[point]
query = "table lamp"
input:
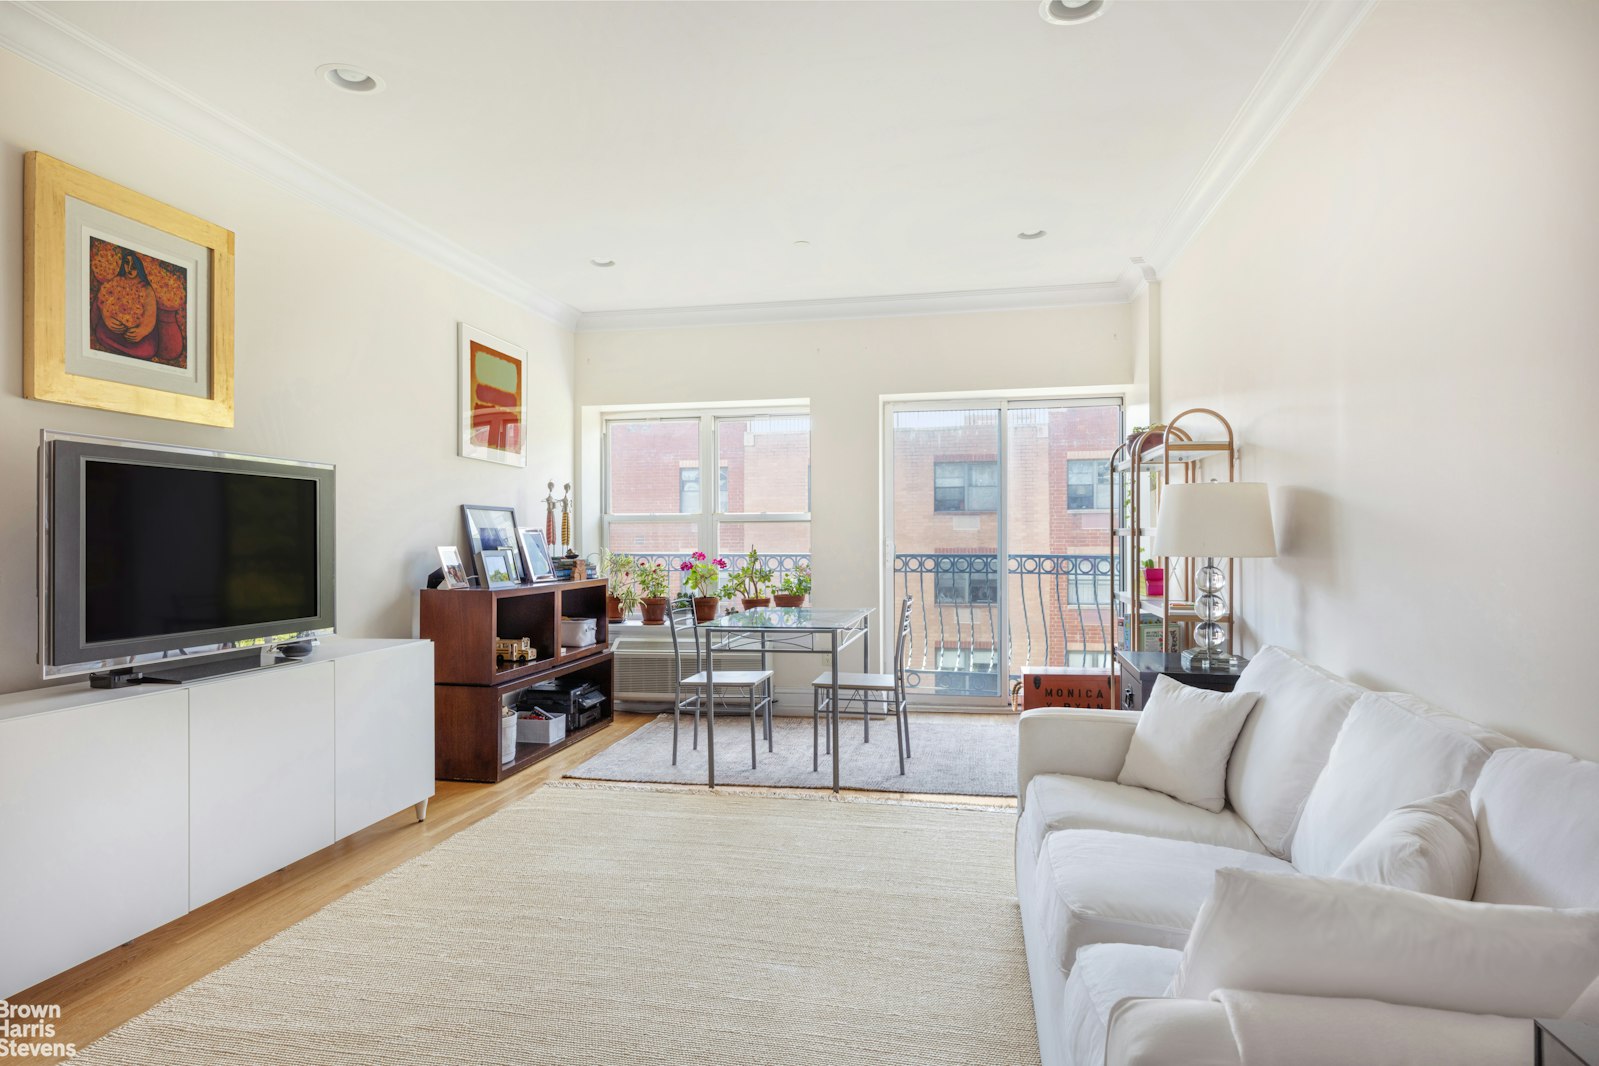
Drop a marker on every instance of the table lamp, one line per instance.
(1211, 521)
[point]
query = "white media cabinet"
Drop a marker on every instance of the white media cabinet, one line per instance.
(123, 809)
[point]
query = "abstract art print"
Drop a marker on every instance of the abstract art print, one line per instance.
(493, 398)
(129, 301)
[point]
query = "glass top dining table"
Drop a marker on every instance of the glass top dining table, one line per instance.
(804, 630)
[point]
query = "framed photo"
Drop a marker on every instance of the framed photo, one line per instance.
(455, 576)
(127, 302)
(535, 552)
(493, 398)
(491, 528)
(498, 566)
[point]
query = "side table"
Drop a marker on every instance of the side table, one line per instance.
(1565, 1044)
(1140, 668)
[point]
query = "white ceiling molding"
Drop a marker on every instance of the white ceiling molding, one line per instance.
(61, 48)
(1308, 50)
(914, 304)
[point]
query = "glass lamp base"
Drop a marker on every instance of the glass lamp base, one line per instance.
(1206, 659)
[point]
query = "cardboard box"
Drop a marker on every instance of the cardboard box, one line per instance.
(1088, 687)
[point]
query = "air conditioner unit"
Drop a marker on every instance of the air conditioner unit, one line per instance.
(644, 665)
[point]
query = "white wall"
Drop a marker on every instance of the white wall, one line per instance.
(345, 352)
(844, 369)
(1397, 309)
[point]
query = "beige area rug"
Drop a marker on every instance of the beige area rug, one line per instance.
(597, 926)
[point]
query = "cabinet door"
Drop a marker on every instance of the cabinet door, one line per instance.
(384, 733)
(261, 782)
(95, 805)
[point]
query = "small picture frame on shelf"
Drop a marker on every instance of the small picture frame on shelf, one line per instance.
(455, 576)
(535, 553)
(490, 528)
(498, 568)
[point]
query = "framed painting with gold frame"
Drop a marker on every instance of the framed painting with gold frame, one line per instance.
(127, 301)
(493, 398)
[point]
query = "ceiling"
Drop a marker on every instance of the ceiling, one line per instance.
(696, 143)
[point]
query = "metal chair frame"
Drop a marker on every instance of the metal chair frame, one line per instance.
(757, 696)
(892, 700)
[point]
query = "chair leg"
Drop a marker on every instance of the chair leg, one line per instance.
(753, 715)
(769, 746)
(677, 719)
(866, 716)
(904, 709)
(696, 722)
(816, 716)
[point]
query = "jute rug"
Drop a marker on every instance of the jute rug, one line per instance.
(951, 754)
(613, 928)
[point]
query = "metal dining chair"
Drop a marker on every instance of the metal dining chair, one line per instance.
(886, 691)
(752, 687)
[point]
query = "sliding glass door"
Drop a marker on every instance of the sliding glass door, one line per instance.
(997, 515)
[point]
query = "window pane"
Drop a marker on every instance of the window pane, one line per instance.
(670, 542)
(646, 460)
(688, 490)
(982, 498)
(766, 464)
(783, 545)
(983, 473)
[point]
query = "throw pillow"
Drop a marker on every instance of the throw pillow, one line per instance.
(1183, 738)
(1428, 846)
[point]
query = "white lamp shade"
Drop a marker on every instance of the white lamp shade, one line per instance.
(1220, 519)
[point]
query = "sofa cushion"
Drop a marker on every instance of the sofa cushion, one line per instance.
(1392, 750)
(1428, 846)
(1312, 936)
(1114, 888)
(1183, 740)
(1057, 801)
(1105, 975)
(1285, 741)
(1538, 823)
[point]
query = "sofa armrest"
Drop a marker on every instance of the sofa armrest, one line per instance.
(1080, 743)
(1308, 1031)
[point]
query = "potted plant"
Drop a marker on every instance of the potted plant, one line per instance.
(703, 576)
(652, 591)
(621, 589)
(1154, 578)
(794, 587)
(751, 582)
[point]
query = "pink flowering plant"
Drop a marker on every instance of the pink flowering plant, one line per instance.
(702, 574)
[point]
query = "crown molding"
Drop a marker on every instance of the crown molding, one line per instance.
(40, 37)
(1322, 30)
(1043, 297)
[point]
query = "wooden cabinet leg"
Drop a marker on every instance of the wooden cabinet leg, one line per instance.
(422, 811)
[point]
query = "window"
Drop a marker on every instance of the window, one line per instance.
(976, 588)
(967, 486)
(966, 660)
(1088, 484)
(1087, 590)
(655, 499)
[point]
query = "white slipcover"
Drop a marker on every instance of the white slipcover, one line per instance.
(1392, 750)
(1284, 742)
(1099, 887)
(1183, 740)
(1538, 828)
(1106, 974)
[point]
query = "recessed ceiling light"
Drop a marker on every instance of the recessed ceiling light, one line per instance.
(1033, 236)
(351, 79)
(603, 262)
(802, 244)
(1071, 12)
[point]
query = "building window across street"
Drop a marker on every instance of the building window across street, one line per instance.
(966, 486)
(1088, 484)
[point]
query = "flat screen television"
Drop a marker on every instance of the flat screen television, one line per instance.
(152, 555)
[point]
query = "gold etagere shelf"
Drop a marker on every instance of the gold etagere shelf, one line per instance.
(1144, 464)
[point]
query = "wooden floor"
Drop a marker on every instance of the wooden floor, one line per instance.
(107, 991)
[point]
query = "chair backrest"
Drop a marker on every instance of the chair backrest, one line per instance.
(902, 642)
(681, 620)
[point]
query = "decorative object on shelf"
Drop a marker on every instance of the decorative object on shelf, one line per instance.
(454, 570)
(795, 586)
(493, 398)
(493, 528)
(1211, 521)
(751, 581)
(550, 503)
(515, 651)
(621, 588)
(508, 736)
(703, 576)
(127, 302)
(535, 552)
(580, 566)
(1154, 578)
(652, 591)
(498, 568)
(578, 632)
(566, 517)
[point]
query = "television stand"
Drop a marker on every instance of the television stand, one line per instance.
(125, 677)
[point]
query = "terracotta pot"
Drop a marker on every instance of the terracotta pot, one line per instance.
(654, 609)
(613, 609)
(705, 607)
(752, 602)
(788, 599)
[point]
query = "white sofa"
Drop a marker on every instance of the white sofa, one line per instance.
(1110, 878)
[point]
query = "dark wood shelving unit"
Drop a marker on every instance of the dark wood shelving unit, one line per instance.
(472, 687)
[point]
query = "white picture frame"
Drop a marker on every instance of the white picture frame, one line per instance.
(453, 569)
(498, 567)
(491, 401)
